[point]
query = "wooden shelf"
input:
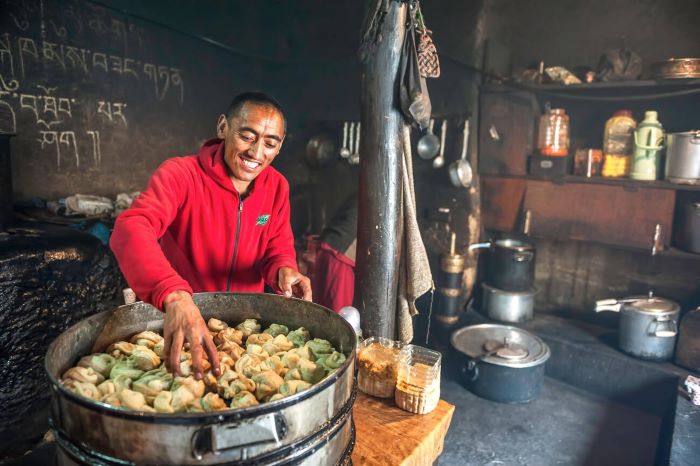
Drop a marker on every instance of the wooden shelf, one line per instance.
(597, 87)
(627, 183)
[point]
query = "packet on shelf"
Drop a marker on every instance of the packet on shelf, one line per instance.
(378, 366)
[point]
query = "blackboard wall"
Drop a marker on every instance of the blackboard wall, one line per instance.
(98, 98)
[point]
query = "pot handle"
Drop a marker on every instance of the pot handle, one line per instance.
(471, 371)
(670, 331)
(485, 245)
(216, 438)
(523, 256)
(613, 305)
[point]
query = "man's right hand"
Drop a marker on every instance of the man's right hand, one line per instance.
(184, 323)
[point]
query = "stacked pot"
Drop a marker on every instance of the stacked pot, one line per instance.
(509, 283)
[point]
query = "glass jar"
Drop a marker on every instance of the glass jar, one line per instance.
(418, 379)
(618, 144)
(553, 133)
(377, 366)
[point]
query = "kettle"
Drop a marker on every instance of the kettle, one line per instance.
(688, 350)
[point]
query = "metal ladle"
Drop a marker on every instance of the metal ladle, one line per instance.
(344, 151)
(439, 161)
(428, 144)
(461, 170)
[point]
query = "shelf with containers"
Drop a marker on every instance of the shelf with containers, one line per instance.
(580, 207)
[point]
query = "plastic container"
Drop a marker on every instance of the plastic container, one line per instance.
(418, 379)
(377, 366)
(618, 144)
(648, 144)
(588, 162)
(553, 133)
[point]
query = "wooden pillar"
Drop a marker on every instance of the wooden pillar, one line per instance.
(379, 229)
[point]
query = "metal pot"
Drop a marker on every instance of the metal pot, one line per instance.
(502, 363)
(510, 265)
(508, 306)
(648, 325)
(683, 157)
(314, 426)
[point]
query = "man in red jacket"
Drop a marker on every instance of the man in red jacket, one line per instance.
(216, 221)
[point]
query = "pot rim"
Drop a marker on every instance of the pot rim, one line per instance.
(539, 360)
(199, 418)
(513, 244)
(629, 308)
(517, 294)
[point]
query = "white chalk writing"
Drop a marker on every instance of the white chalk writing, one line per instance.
(112, 110)
(56, 138)
(96, 152)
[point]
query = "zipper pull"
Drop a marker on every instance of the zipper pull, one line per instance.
(240, 206)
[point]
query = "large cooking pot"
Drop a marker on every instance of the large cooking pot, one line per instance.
(683, 157)
(510, 264)
(312, 427)
(648, 325)
(502, 363)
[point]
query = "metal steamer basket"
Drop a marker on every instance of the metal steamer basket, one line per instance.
(311, 427)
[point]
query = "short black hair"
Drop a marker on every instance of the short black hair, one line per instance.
(257, 98)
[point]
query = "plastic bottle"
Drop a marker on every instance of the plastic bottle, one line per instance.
(648, 143)
(618, 144)
(553, 133)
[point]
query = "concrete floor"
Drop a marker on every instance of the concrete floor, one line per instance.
(564, 426)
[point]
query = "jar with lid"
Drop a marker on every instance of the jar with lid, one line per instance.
(553, 133)
(618, 144)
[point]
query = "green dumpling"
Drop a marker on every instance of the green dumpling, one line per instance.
(267, 383)
(331, 362)
(310, 371)
(126, 367)
(99, 362)
(243, 400)
(319, 347)
(277, 329)
(299, 336)
(249, 327)
(291, 387)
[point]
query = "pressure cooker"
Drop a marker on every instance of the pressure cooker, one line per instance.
(648, 325)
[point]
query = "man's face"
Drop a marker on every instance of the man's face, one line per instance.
(252, 140)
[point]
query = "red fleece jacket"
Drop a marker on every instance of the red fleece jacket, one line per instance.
(183, 232)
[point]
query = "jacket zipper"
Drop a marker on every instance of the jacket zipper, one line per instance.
(235, 246)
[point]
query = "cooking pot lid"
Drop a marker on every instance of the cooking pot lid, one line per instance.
(514, 244)
(502, 345)
(654, 305)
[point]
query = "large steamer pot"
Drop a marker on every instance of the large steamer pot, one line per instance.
(312, 427)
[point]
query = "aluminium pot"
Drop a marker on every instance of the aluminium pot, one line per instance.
(508, 306)
(510, 264)
(683, 157)
(648, 325)
(502, 363)
(311, 427)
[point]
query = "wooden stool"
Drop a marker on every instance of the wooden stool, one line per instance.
(389, 436)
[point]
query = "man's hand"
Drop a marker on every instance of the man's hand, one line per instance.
(183, 322)
(292, 283)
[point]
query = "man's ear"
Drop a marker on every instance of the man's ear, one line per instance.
(221, 127)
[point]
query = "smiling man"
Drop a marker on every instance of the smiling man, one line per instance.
(215, 221)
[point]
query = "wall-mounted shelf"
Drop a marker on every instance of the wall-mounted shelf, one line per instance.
(626, 183)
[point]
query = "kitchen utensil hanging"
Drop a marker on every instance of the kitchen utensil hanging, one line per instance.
(344, 151)
(354, 158)
(428, 144)
(439, 161)
(428, 60)
(461, 170)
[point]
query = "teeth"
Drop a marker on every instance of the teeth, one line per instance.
(251, 165)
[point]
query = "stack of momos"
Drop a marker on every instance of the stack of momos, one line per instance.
(256, 366)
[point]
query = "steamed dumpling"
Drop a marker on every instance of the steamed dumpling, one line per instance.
(144, 358)
(258, 339)
(196, 387)
(267, 383)
(331, 362)
(283, 343)
(147, 338)
(99, 362)
(85, 389)
(310, 371)
(134, 401)
(299, 336)
(120, 348)
(277, 329)
(229, 334)
(153, 382)
(244, 400)
(127, 368)
(212, 402)
(216, 325)
(83, 374)
(319, 347)
(163, 403)
(292, 387)
(248, 327)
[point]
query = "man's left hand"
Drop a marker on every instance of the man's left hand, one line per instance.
(293, 283)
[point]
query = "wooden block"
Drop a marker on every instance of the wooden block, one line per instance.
(502, 200)
(389, 436)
